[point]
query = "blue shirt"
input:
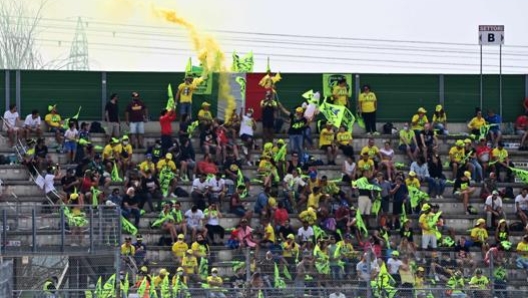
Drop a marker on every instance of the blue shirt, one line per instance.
(495, 119)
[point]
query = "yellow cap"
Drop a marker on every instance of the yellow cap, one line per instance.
(438, 108)
(412, 174)
(421, 269)
(74, 196)
(426, 207)
(268, 146)
(480, 221)
(181, 236)
(502, 221)
(467, 174)
(272, 202)
(143, 269)
(168, 156)
(180, 269)
(299, 110)
(280, 141)
(290, 236)
(190, 251)
(206, 104)
(459, 143)
(422, 110)
(163, 272)
(468, 141)
(214, 270)
(233, 168)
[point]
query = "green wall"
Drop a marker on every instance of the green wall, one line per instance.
(399, 95)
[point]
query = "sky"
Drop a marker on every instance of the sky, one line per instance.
(382, 36)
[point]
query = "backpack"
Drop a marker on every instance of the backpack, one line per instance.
(516, 227)
(387, 128)
(96, 127)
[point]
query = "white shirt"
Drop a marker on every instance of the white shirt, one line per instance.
(199, 185)
(30, 122)
(523, 202)
(10, 118)
(295, 182)
(349, 168)
(48, 183)
(394, 265)
(213, 219)
(246, 126)
(305, 235)
(335, 295)
(387, 154)
(194, 219)
(70, 134)
(216, 185)
(494, 204)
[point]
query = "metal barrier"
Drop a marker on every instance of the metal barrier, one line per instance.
(44, 229)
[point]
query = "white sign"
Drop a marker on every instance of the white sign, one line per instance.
(491, 35)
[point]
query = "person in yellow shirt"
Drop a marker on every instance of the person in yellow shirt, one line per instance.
(156, 281)
(124, 149)
(179, 248)
(367, 106)
(345, 252)
(345, 141)
(205, 116)
(267, 170)
(457, 156)
(419, 120)
(408, 143)
(185, 94)
(427, 223)
(168, 164)
(314, 198)
(290, 250)
(479, 236)
(127, 249)
(500, 161)
(147, 164)
(522, 254)
(110, 154)
(327, 144)
(439, 121)
(340, 93)
(54, 122)
(365, 166)
(412, 180)
(215, 282)
(476, 123)
(373, 152)
(190, 265)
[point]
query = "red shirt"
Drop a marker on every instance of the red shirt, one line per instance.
(521, 122)
(280, 216)
(165, 123)
(207, 168)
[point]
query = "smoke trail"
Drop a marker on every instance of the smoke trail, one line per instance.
(209, 53)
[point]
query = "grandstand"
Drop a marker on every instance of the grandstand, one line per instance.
(21, 192)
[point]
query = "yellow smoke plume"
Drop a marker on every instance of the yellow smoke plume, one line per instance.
(209, 54)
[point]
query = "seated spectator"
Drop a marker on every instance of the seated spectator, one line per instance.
(32, 124)
(501, 162)
(206, 166)
(125, 152)
(267, 171)
(127, 249)
(471, 158)
(408, 143)
(522, 254)
(213, 227)
(463, 189)
(345, 141)
(483, 154)
(348, 169)
(199, 191)
(156, 151)
(327, 142)
(245, 235)
(130, 206)
(150, 191)
(463, 255)
(238, 207)
(147, 165)
(167, 175)
(208, 140)
(435, 170)
(365, 166)
(54, 123)
(114, 199)
(476, 123)
(166, 221)
(387, 154)
(294, 188)
(373, 152)
(495, 121)
(187, 160)
(217, 189)
(179, 248)
(280, 216)
(110, 154)
(11, 121)
(421, 169)
(479, 236)
(439, 122)
(457, 155)
(521, 125)
(195, 218)
(427, 141)
(418, 121)
(268, 234)
(502, 232)
(493, 208)
(412, 180)
(521, 206)
(205, 116)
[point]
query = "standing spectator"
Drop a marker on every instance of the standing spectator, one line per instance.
(419, 120)
(269, 108)
(296, 131)
(327, 144)
(367, 106)
(187, 160)
(349, 169)
(141, 250)
(428, 226)
(435, 170)
(400, 192)
(112, 118)
(70, 141)
(408, 142)
(495, 121)
(32, 124)
(247, 128)
(521, 125)
(185, 94)
(521, 206)
(165, 120)
(11, 119)
(340, 93)
(440, 120)
(195, 223)
(168, 167)
(493, 208)
(136, 114)
(501, 161)
(476, 123)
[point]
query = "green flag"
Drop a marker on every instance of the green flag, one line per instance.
(65, 125)
(278, 282)
(142, 287)
(125, 285)
(242, 64)
(165, 289)
(192, 127)
(128, 227)
(360, 224)
(522, 174)
(109, 287)
(242, 83)
(115, 174)
(170, 99)
(281, 154)
(95, 196)
(99, 287)
(417, 196)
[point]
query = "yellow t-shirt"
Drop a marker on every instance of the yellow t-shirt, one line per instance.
(189, 264)
(407, 137)
(341, 93)
(313, 200)
(457, 154)
(265, 167)
(500, 155)
(290, 250)
(214, 279)
(326, 137)
(199, 249)
(147, 165)
(367, 165)
(344, 137)
(522, 249)
(419, 123)
(414, 182)
(481, 283)
(476, 123)
(119, 148)
(205, 114)
(480, 234)
(166, 163)
(428, 221)
(312, 184)
(345, 249)
(268, 230)
(53, 120)
(440, 119)
(179, 248)
(372, 151)
(108, 152)
(367, 102)
(186, 92)
(128, 250)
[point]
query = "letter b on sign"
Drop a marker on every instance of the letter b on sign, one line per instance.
(491, 37)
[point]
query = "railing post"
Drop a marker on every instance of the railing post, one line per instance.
(62, 228)
(92, 246)
(4, 230)
(369, 270)
(34, 230)
(491, 268)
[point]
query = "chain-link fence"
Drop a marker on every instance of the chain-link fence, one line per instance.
(43, 229)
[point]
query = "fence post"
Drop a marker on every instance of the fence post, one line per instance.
(117, 255)
(369, 270)
(248, 264)
(63, 228)
(4, 230)
(491, 268)
(33, 230)
(92, 250)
